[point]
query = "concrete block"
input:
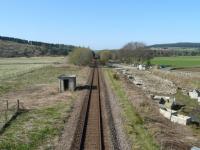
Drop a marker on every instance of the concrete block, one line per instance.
(174, 117)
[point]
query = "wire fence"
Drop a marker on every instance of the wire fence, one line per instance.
(7, 112)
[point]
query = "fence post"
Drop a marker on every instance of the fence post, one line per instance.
(6, 114)
(6, 104)
(17, 105)
(6, 117)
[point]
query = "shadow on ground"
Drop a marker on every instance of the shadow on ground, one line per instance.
(85, 87)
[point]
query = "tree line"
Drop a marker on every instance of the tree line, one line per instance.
(139, 53)
(131, 53)
(173, 52)
(15, 47)
(182, 45)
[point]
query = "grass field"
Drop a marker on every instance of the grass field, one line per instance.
(36, 127)
(45, 111)
(10, 67)
(31, 60)
(182, 61)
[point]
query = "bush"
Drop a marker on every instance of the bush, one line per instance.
(81, 56)
(116, 76)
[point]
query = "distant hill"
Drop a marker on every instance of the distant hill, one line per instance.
(180, 45)
(14, 47)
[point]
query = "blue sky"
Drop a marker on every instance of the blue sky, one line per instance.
(101, 24)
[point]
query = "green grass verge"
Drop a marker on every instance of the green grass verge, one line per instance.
(134, 124)
(181, 61)
(35, 128)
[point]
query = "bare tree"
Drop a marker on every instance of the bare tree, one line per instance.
(133, 46)
(135, 52)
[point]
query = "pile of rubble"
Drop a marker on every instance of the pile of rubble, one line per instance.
(149, 82)
(153, 85)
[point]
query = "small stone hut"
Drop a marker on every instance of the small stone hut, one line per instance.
(67, 82)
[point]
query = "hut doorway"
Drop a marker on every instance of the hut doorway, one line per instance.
(66, 84)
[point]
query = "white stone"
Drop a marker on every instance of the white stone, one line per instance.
(141, 67)
(194, 94)
(199, 99)
(195, 148)
(156, 97)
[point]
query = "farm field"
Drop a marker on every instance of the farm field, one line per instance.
(31, 60)
(10, 67)
(179, 62)
(44, 109)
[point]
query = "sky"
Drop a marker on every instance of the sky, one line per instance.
(101, 24)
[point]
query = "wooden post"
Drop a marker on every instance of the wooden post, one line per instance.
(17, 105)
(6, 115)
(6, 104)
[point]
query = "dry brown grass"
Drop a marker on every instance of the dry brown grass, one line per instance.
(43, 95)
(186, 80)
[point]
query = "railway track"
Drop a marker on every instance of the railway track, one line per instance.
(89, 132)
